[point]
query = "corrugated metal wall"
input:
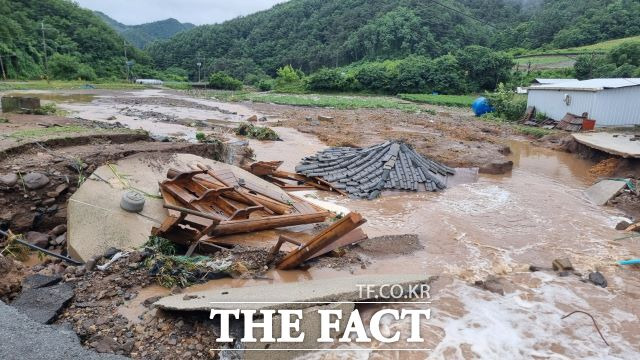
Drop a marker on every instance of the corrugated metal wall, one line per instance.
(609, 107)
(617, 107)
(551, 102)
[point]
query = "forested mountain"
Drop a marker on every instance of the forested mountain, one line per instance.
(143, 34)
(311, 34)
(78, 43)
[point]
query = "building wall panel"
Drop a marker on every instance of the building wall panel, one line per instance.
(609, 107)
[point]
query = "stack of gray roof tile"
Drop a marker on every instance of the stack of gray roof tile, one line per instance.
(365, 172)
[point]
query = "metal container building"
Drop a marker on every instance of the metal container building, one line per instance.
(611, 102)
(149, 82)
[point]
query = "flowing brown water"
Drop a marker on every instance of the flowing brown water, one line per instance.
(489, 225)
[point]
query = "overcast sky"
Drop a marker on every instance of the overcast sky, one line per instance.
(133, 12)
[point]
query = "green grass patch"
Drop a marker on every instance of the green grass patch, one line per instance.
(533, 131)
(175, 85)
(66, 85)
(44, 132)
(61, 131)
(603, 47)
(317, 100)
(543, 60)
(445, 100)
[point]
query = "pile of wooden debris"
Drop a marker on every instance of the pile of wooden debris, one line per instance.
(207, 205)
(366, 172)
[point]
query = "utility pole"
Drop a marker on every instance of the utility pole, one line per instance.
(199, 66)
(44, 49)
(126, 61)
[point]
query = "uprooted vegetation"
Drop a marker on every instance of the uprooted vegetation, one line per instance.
(256, 132)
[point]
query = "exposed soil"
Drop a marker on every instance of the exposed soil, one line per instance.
(452, 136)
(497, 225)
(11, 275)
(390, 245)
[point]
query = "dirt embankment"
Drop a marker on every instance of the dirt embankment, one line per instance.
(606, 166)
(451, 136)
(43, 160)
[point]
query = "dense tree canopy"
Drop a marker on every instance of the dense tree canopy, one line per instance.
(143, 34)
(621, 61)
(72, 35)
(314, 34)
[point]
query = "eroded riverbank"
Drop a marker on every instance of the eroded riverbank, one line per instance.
(486, 225)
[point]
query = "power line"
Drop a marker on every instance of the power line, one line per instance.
(465, 14)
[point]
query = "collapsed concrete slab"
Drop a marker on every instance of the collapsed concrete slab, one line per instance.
(23, 338)
(625, 145)
(298, 295)
(96, 221)
(604, 191)
(43, 304)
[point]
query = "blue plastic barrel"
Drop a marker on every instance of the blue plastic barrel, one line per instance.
(480, 106)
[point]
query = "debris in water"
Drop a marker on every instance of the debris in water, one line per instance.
(562, 265)
(598, 279)
(365, 172)
(594, 322)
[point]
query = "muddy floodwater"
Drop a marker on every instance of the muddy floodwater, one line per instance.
(485, 225)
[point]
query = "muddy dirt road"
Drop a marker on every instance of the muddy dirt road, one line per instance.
(487, 225)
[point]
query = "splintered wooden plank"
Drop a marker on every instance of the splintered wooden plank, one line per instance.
(321, 240)
(180, 194)
(303, 207)
(272, 222)
(225, 175)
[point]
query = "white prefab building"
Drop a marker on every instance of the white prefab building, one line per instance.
(149, 82)
(610, 102)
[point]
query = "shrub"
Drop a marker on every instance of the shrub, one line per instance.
(46, 109)
(223, 81)
(85, 72)
(265, 85)
(329, 80)
(289, 80)
(507, 104)
(446, 77)
(256, 132)
(411, 75)
(287, 74)
(66, 67)
(174, 74)
(484, 67)
(373, 77)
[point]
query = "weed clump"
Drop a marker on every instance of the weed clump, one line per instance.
(46, 109)
(172, 270)
(256, 132)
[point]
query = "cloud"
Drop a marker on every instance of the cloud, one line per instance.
(133, 12)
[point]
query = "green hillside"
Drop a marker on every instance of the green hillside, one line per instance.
(311, 34)
(78, 43)
(143, 34)
(565, 58)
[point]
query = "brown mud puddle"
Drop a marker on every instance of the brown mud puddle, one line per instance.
(498, 225)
